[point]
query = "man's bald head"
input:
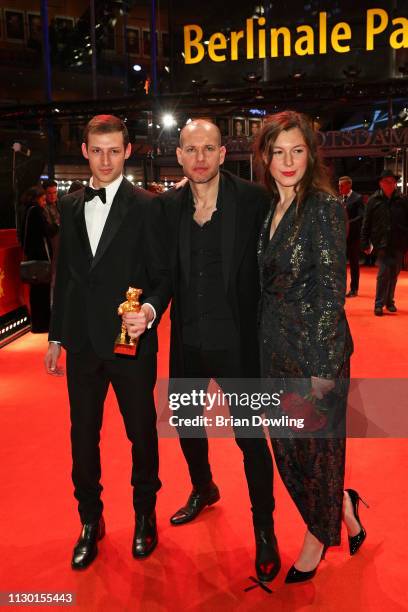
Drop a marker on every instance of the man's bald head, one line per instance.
(200, 152)
(201, 125)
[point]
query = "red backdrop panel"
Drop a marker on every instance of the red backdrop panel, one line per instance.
(11, 288)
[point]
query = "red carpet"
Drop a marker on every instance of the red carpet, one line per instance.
(205, 565)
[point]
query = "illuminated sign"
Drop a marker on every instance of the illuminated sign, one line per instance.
(364, 138)
(341, 141)
(257, 42)
(258, 112)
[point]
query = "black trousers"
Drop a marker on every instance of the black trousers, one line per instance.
(353, 254)
(133, 382)
(389, 266)
(256, 454)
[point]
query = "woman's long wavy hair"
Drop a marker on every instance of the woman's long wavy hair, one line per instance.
(315, 178)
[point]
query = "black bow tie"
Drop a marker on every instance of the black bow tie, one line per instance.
(90, 194)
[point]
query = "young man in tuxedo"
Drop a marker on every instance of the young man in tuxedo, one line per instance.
(353, 203)
(105, 248)
(213, 224)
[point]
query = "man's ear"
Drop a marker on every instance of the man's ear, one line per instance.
(84, 150)
(178, 153)
(128, 151)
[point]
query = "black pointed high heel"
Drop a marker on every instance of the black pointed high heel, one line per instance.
(356, 541)
(294, 575)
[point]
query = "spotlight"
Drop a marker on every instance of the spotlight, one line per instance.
(259, 10)
(168, 120)
(137, 67)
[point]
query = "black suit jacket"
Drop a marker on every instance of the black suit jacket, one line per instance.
(244, 207)
(89, 288)
(386, 222)
(355, 213)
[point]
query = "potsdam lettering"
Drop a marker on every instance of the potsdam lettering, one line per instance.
(364, 138)
(258, 42)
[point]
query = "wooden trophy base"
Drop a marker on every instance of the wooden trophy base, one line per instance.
(124, 348)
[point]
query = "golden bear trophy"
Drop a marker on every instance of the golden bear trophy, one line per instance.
(124, 345)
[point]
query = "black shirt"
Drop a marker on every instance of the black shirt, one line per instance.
(207, 318)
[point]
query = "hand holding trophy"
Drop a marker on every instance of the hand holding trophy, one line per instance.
(124, 345)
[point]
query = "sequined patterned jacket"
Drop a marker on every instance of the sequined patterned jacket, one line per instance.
(303, 326)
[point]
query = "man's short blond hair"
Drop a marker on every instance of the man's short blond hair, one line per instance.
(106, 124)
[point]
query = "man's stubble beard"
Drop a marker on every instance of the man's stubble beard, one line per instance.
(204, 180)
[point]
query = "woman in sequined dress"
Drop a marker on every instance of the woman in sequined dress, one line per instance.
(304, 334)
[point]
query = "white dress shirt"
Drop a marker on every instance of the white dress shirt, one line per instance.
(96, 212)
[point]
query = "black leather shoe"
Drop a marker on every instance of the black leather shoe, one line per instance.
(145, 536)
(197, 501)
(378, 311)
(267, 560)
(352, 294)
(294, 575)
(356, 541)
(86, 547)
(392, 308)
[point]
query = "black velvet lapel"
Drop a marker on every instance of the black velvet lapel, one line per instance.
(79, 221)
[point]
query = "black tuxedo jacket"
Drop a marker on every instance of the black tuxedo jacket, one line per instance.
(355, 213)
(244, 206)
(90, 288)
